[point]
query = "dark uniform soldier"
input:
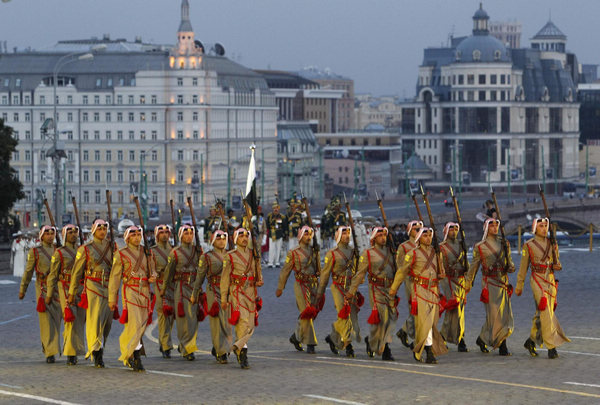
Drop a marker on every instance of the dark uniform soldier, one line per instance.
(421, 266)
(136, 270)
(301, 260)
(295, 222)
(276, 226)
(211, 223)
(60, 279)
(496, 289)
(93, 263)
(537, 254)
(38, 260)
(453, 287)
(164, 305)
(210, 269)
(182, 268)
(330, 222)
(377, 264)
(408, 329)
(340, 262)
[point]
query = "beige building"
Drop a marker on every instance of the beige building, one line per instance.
(370, 112)
(508, 32)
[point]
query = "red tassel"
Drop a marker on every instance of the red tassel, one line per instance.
(510, 290)
(452, 304)
(555, 304)
(321, 303)
(309, 312)
(200, 313)
(374, 317)
(360, 299)
(414, 307)
(234, 318)
(543, 303)
(149, 321)
(68, 316)
(167, 310)
(124, 316)
(41, 305)
(83, 302)
(180, 310)
(256, 319)
(259, 303)
(344, 313)
(396, 301)
(204, 302)
(485, 296)
(214, 309)
(442, 304)
(151, 313)
(116, 313)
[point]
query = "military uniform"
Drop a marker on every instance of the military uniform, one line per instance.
(331, 220)
(49, 315)
(341, 264)
(453, 288)
(409, 325)
(295, 222)
(211, 224)
(276, 225)
(545, 328)
(59, 279)
(181, 270)
(135, 269)
(164, 305)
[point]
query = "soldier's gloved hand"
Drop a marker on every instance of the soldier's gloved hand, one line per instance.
(193, 299)
(152, 280)
(349, 295)
(556, 267)
(393, 293)
(278, 292)
(518, 291)
(48, 300)
(223, 304)
(162, 294)
(21, 295)
(112, 305)
(260, 283)
(71, 299)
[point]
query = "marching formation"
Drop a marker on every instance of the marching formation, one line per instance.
(80, 284)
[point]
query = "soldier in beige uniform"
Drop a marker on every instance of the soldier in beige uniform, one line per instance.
(453, 287)
(341, 264)
(377, 264)
(60, 279)
(93, 262)
(537, 254)
(164, 306)
(408, 329)
(210, 269)
(239, 280)
(496, 289)
(137, 272)
(421, 266)
(38, 260)
(181, 270)
(301, 261)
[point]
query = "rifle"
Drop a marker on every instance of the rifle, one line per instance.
(463, 245)
(414, 198)
(316, 248)
(110, 227)
(504, 245)
(390, 241)
(58, 244)
(196, 236)
(224, 222)
(173, 222)
(76, 212)
(255, 246)
(354, 238)
(146, 242)
(434, 239)
(553, 242)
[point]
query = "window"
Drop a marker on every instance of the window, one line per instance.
(131, 135)
(179, 155)
(28, 175)
(142, 135)
(85, 100)
(69, 99)
(180, 81)
(482, 96)
(69, 117)
(120, 155)
(195, 155)
(131, 155)
(180, 116)
(97, 98)
(86, 176)
(108, 176)
(86, 135)
(70, 155)
(121, 81)
(18, 82)
(119, 99)
(84, 117)
(119, 117)
(476, 56)
(97, 199)
(97, 155)
(96, 117)
(179, 134)
(470, 79)
(154, 135)
(194, 99)
(195, 134)
(98, 82)
(86, 156)
(119, 135)
(108, 155)
(26, 100)
(97, 176)
(97, 135)
(154, 177)
(154, 155)
(461, 79)
(142, 99)
(27, 117)
(131, 117)
(120, 176)
(155, 197)
(130, 99)
(180, 176)
(142, 117)
(194, 81)
(481, 79)
(195, 116)
(42, 155)
(27, 135)
(492, 95)
(153, 99)
(70, 176)
(179, 99)
(108, 98)
(180, 197)
(153, 117)
(502, 79)
(86, 199)
(16, 117)
(470, 96)
(107, 117)
(42, 99)
(493, 79)
(131, 175)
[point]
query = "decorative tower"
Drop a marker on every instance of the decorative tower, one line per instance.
(480, 22)
(185, 33)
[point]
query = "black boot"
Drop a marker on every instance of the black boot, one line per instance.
(552, 353)
(166, 354)
(503, 349)
(482, 346)
(296, 343)
(462, 346)
(369, 351)
(50, 359)
(190, 357)
(387, 353)
(243, 359)
(213, 352)
(403, 336)
(350, 351)
(222, 359)
(310, 349)
(430, 357)
(137, 362)
(98, 362)
(530, 346)
(332, 347)
(71, 360)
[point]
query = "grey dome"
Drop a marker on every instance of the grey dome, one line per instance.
(487, 45)
(481, 14)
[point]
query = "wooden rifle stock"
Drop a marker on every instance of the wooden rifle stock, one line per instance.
(504, 246)
(196, 236)
(316, 247)
(390, 241)
(461, 230)
(143, 225)
(173, 222)
(76, 212)
(414, 198)
(255, 247)
(110, 226)
(354, 238)
(550, 228)
(434, 239)
(51, 218)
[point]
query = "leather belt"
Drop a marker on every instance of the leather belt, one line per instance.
(492, 271)
(184, 276)
(237, 280)
(424, 281)
(104, 275)
(214, 279)
(381, 281)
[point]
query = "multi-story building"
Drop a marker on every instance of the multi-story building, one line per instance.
(371, 111)
(508, 32)
(179, 118)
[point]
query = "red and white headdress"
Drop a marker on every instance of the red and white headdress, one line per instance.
(66, 228)
(238, 232)
(447, 228)
(486, 224)
(413, 224)
(340, 231)
(161, 228)
(97, 223)
(44, 229)
(375, 231)
(535, 222)
(185, 227)
(131, 229)
(305, 229)
(422, 231)
(218, 233)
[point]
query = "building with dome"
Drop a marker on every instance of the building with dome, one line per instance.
(485, 114)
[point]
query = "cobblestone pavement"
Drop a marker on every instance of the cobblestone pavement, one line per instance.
(280, 374)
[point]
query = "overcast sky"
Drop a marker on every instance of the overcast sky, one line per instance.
(378, 43)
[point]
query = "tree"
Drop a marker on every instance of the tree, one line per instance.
(11, 189)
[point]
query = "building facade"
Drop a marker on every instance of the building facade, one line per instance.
(507, 32)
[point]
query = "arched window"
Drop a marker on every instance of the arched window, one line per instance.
(497, 54)
(476, 54)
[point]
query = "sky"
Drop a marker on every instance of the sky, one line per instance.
(377, 43)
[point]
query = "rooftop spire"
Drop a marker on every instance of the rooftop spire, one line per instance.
(185, 25)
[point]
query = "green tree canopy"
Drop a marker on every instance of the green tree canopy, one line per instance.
(11, 188)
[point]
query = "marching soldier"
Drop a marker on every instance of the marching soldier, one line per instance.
(537, 254)
(210, 268)
(181, 270)
(60, 279)
(331, 220)
(276, 225)
(301, 261)
(421, 266)
(341, 264)
(453, 286)
(377, 264)
(211, 223)
(39, 259)
(408, 329)
(294, 222)
(239, 280)
(164, 305)
(137, 272)
(496, 290)
(93, 264)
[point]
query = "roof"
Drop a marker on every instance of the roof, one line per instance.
(314, 73)
(416, 163)
(550, 31)
(296, 130)
(278, 79)
(481, 14)
(490, 49)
